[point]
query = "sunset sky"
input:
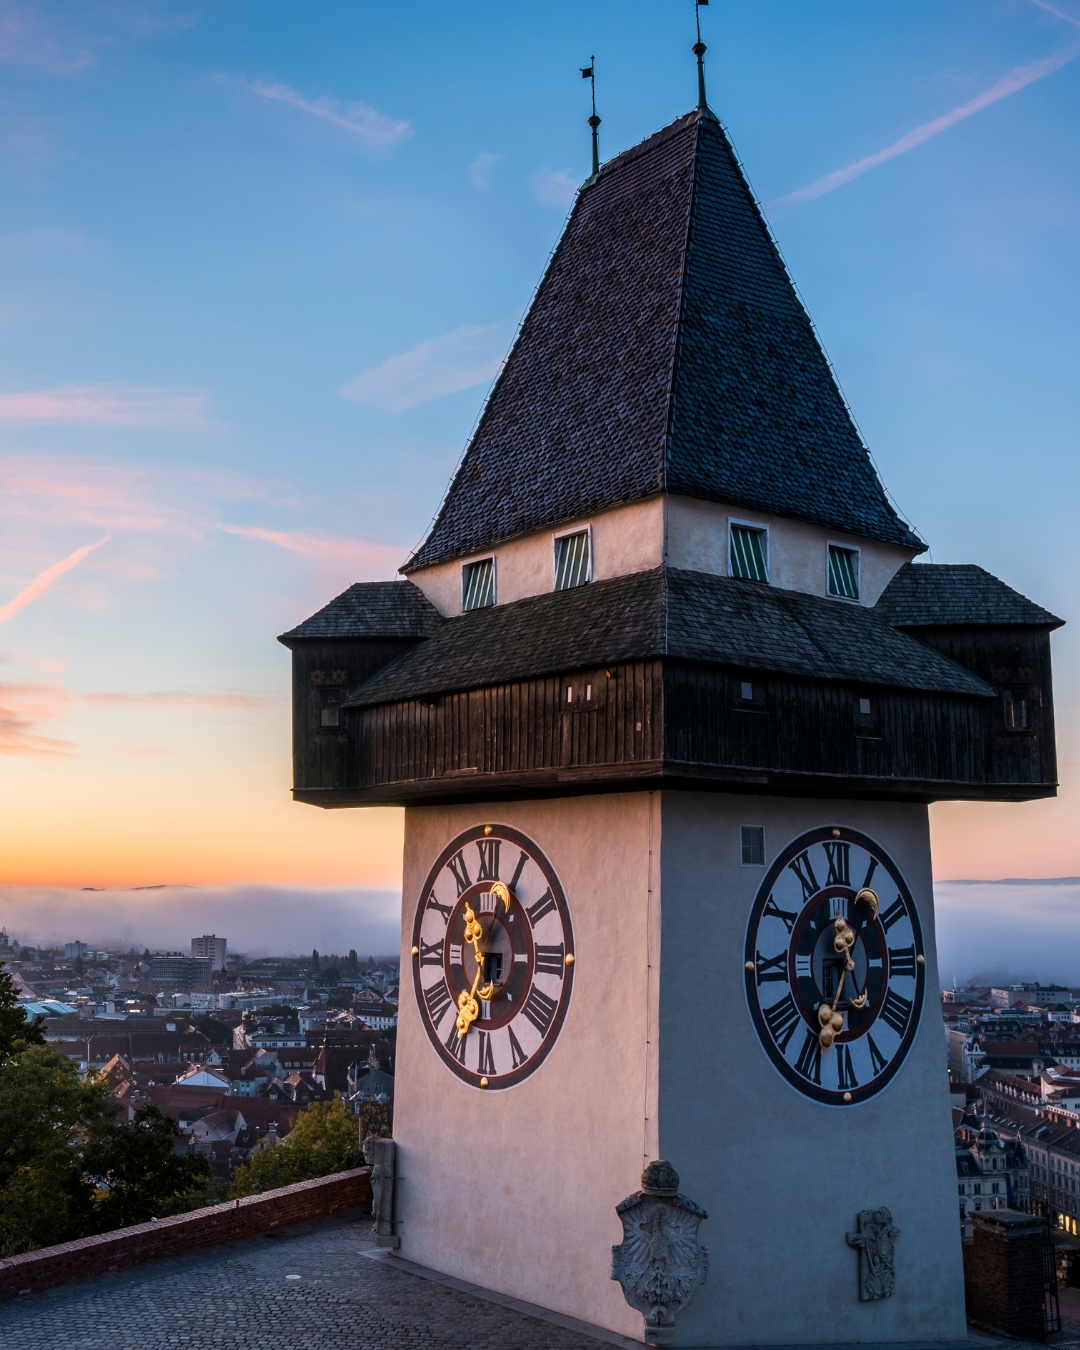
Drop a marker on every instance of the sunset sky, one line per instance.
(259, 263)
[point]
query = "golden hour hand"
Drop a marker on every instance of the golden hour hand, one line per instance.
(829, 1019)
(468, 1006)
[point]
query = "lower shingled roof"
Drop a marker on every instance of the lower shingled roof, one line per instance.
(691, 616)
(946, 595)
(371, 609)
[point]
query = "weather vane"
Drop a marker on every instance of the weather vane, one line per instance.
(699, 50)
(589, 73)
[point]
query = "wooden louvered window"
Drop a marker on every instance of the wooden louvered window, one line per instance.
(478, 584)
(1016, 709)
(749, 553)
(844, 572)
(573, 557)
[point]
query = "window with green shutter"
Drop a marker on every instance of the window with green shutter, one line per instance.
(844, 572)
(749, 553)
(478, 584)
(571, 560)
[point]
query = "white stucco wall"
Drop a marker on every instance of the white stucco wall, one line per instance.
(687, 533)
(516, 1191)
(782, 1177)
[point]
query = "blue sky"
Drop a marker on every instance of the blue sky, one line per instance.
(258, 264)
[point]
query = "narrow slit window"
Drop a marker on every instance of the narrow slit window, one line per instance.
(1016, 710)
(753, 845)
(749, 553)
(571, 560)
(478, 584)
(844, 572)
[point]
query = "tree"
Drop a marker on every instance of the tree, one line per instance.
(77, 965)
(15, 1031)
(217, 1033)
(325, 1139)
(377, 1118)
(315, 961)
(139, 1176)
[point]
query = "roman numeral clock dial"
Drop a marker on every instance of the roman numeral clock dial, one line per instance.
(492, 956)
(834, 966)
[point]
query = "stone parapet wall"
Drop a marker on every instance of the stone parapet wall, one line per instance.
(47, 1267)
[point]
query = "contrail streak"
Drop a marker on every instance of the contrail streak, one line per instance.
(1011, 83)
(44, 580)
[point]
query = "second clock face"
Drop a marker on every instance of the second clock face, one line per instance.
(494, 956)
(834, 966)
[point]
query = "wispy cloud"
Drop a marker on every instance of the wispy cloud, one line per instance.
(1017, 79)
(111, 405)
(482, 170)
(44, 580)
(213, 701)
(369, 561)
(27, 38)
(554, 188)
(457, 360)
(24, 708)
(1059, 13)
(371, 126)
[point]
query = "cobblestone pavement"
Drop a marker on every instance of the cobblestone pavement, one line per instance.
(303, 1288)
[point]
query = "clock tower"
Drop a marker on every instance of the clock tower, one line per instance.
(665, 696)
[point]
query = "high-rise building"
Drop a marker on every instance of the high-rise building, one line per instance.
(209, 947)
(180, 972)
(73, 950)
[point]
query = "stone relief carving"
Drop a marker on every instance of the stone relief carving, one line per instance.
(660, 1262)
(876, 1243)
(379, 1154)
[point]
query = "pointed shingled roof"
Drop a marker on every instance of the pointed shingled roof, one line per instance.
(665, 350)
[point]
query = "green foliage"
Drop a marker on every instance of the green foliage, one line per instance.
(315, 960)
(377, 1118)
(139, 1177)
(15, 1031)
(217, 1033)
(46, 1116)
(324, 1139)
(67, 1170)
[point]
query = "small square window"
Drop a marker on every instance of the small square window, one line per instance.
(749, 553)
(844, 572)
(330, 708)
(864, 707)
(1016, 709)
(478, 584)
(746, 691)
(571, 560)
(753, 846)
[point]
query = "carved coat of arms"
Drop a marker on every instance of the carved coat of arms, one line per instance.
(660, 1262)
(876, 1242)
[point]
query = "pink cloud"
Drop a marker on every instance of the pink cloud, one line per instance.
(1012, 83)
(380, 132)
(364, 558)
(185, 698)
(44, 580)
(1058, 13)
(23, 709)
(112, 405)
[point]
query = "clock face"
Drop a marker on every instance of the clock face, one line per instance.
(493, 956)
(834, 966)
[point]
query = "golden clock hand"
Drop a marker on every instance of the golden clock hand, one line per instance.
(832, 1022)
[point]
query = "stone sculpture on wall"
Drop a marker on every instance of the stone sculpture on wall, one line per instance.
(876, 1243)
(660, 1262)
(379, 1155)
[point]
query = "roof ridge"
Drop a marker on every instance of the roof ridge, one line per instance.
(679, 311)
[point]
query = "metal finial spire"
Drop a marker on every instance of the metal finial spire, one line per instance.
(699, 50)
(589, 73)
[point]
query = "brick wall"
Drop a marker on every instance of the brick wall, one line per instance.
(50, 1266)
(1004, 1274)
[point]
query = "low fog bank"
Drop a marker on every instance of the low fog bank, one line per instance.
(1006, 932)
(257, 919)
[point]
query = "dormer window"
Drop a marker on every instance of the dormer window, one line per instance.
(844, 572)
(748, 552)
(573, 560)
(478, 584)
